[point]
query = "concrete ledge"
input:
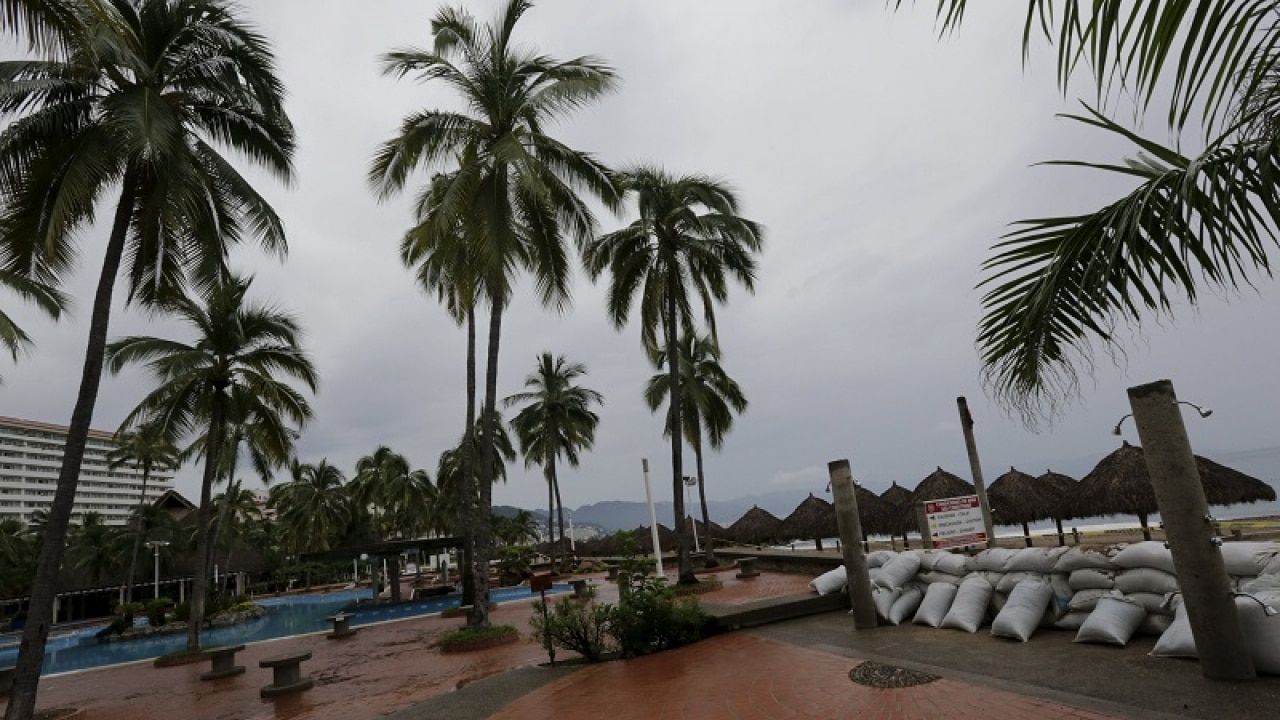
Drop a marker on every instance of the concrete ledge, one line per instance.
(771, 610)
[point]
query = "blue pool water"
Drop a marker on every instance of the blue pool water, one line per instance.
(295, 615)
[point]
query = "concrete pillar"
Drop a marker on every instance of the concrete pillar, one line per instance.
(855, 562)
(922, 519)
(1202, 576)
(975, 467)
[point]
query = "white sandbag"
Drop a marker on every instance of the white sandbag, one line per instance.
(1078, 558)
(880, 557)
(1010, 581)
(994, 559)
(829, 582)
(1262, 584)
(1146, 580)
(1024, 610)
(1177, 641)
(1071, 621)
(1062, 593)
(1034, 560)
(1092, 579)
(928, 558)
(1086, 600)
(1112, 622)
(992, 577)
(1272, 568)
(1049, 618)
(1261, 633)
(1154, 625)
(935, 605)
(970, 606)
(1149, 554)
(898, 571)
(1248, 558)
(996, 603)
(884, 599)
(952, 564)
(906, 605)
(1152, 603)
(929, 578)
(873, 573)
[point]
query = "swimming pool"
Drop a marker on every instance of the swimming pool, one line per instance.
(293, 615)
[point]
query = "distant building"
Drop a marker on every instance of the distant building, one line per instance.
(31, 456)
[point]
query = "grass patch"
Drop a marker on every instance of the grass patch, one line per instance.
(464, 639)
(705, 585)
(181, 657)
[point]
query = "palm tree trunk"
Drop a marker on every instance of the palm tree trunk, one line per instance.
(555, 484)
(1026, 534)
(708, 542)
(200, 579)
(488, 470)
(551, 515)
(686, 576)
(26, 677)
(468, 471)
(137, 531)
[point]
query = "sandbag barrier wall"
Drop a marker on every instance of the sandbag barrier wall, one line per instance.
(1104, 595)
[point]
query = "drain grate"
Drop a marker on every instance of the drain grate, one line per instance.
(877, 675)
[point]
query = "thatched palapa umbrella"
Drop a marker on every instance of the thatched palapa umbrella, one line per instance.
(666, 537)
(1063, 488)
(873, 512)
(937, 485)
(1018, 499)
(1121, 485)
(757, 526)
(893, 499)
(813, 519)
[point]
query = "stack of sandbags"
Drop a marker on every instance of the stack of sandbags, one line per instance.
(1261, 630)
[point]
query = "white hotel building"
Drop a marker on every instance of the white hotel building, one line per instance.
(31, 456)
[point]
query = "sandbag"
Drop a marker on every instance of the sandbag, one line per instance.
(884, 599)
(1011, 580)
(1149, 554)
(1272, 568)
(1261, 632)
(929, 578)
(970, 606)
(1262, 584)
(1248, 558)
(1062, 593)
(1086, 600)
(1112, 622)
(1078, 558)
(906, 605)
(994, 559)
(1154, 625)
(996, 603)
(1146, 580)
(952, 564)
(1024, 610)
(898, 571)
(1092, 579)
(928, 558)
(1152, 603)
(935, 605)
(1071, 621)
(1177, 641)
(880, 557)
(829, 582)
(1034, 560)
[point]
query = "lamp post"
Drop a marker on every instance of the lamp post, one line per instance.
(572, 546)
(690, 481)
(156, 545)
(653, 518)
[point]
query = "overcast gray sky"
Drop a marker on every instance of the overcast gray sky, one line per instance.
(882, 160)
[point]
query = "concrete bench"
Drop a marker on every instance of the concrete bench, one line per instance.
(6, 679)
(747, 568)
(341, 626)
(223, 662)
(287, 674)
(580, 588)
(613, 572)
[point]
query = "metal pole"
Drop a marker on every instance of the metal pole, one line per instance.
(1202, 575)
(689, 513)
(966, 422)
(572, 546)
(653, 518)
(157, 577)
(850, 528)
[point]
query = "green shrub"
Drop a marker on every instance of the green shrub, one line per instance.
(650, 618)
(182, 612)
(584, 628)
(156, 611)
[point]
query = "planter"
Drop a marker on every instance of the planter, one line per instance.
(463, 611)
(195, 657)
(480, 643)
(703, 586)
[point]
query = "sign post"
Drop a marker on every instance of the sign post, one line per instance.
(541, 582)
(955, 522)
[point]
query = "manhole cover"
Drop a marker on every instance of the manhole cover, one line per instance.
(877, 675)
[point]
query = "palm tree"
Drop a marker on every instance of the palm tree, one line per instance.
(709, 398)
(17, 557)
(117, 99)
(146, 449)
(515, 188)
(13, 338)
(237, 509)
(231, 371)
(94, 548)
(686, 244)
(313, 507)
(374, 473)
(556, 421)
(1194, 221)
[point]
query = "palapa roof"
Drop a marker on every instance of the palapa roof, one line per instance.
(896, 494)
(814, 518)
(1017, 498)
(1063, 488)
(756, 527)
(874, 512)
(936, 485)
(1120, 484)
(666, 537)
(717, 530)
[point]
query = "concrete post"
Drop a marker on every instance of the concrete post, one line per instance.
(1202, 576)
(922, 519)
(975, 467)
(855, 562)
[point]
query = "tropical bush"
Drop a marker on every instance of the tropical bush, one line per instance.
(156, 611)
(584, 628)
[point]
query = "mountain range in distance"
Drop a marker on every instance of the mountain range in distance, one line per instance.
(614, 515)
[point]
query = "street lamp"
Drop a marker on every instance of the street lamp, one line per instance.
(156, 545)
(690, 481)
(572, 546)
(1204, 413)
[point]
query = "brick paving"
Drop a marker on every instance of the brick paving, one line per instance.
(743, 677)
